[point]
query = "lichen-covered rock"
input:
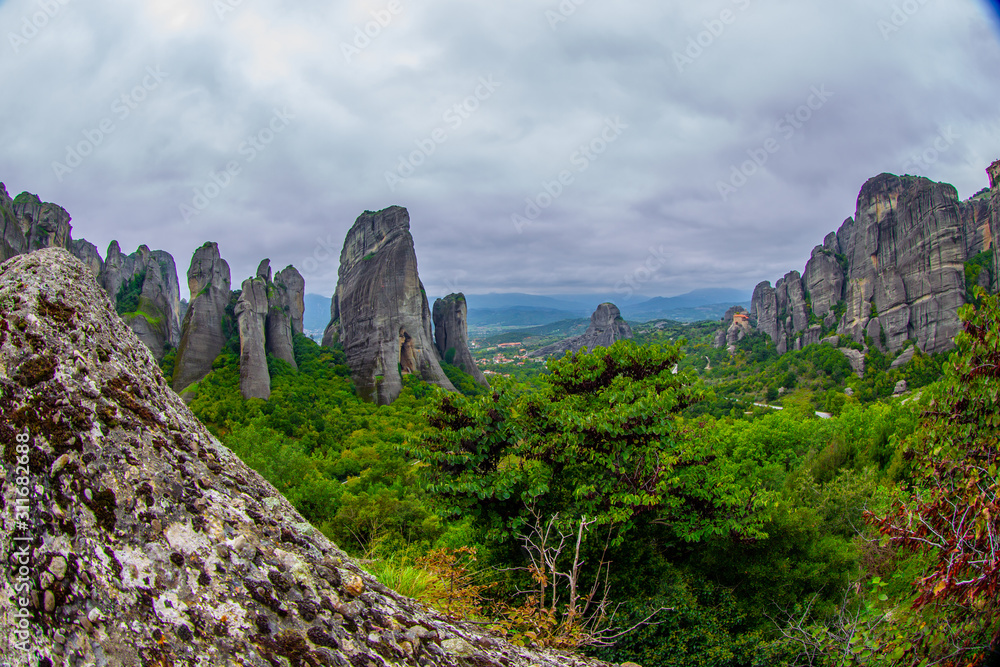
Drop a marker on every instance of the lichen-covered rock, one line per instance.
(295, 287)
(251, 316)
(451, 334)
(152, 544)
(380, 312)
(203, 334)
(607, 326)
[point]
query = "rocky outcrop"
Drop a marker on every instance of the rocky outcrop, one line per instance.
(45, 225)
(150, 543)
(607, 326)
(251, 315)
(735, 327)
(146, 292)
(906, 261)
(451, 334)
(203, 332)
(12, 240)
(278, 326)
(891, 274)
(379, 312)
(294, 285)
(87, 252)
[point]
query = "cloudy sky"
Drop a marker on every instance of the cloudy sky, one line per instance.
(539, 146)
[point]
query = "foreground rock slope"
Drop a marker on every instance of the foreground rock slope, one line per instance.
(149, 543)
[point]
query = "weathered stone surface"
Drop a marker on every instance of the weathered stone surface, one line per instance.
(903, 359)
(45, 225)
(12, 239)
(901, 388)
(977, 222)
(87, 252)
(451, 334)
(251, 316)
(857, 360)
(118, 269)
(380, 311)
(295, 287)
(906, 256)
(607, 326)
(203, 334)
(278, 325)
(157, 544)
(156, 317)
(824, 279)
(764, 310)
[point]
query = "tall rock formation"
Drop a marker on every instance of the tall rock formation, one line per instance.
(278, 326)
(150, 543)
(87, 252)
(204, 333)
(451, 334)
(607, 326)
(251, 315)
(380, 311)
(12, 239)
(894, 272)
(294, 285)
(45, 225)
(146, 292)
(906, 276)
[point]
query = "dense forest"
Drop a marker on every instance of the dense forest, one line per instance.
(633, 503)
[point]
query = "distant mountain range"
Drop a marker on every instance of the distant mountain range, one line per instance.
(515, 309)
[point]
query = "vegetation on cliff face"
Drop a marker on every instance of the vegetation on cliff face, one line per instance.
(608, 482)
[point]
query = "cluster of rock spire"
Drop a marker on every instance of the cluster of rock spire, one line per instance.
(380, 310)
(895, 272)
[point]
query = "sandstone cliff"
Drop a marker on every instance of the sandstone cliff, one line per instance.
(278, 325)
(12, 239)
(451, 334)
(251, 316)
(379, 311)
(148, 542)
(45, 225)
(606, 327)
(203, 334)
(894, 272)
(294, 285)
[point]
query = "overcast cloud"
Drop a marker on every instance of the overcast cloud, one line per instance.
(642, 109)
